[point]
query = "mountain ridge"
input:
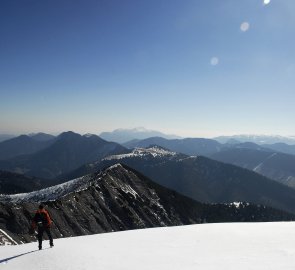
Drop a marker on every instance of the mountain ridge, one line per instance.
(12, 183)
(202, 179)
(282, 172)
(68, 151)
(188, 146)
(115, 199)
(274, 165)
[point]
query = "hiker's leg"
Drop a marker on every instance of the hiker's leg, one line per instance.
(49, 236)
(39, 236)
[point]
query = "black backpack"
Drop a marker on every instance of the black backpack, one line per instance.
(40, 219)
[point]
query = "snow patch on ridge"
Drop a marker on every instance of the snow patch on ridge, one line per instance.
(128, 189)
(143, 152)
(51, 193)
(5, 239)
(61, 190)
(239, 204)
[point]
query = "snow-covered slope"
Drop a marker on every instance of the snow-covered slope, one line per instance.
(51, 193)
(242, 246)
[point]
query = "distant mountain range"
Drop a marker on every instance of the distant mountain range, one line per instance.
(275, 165)
(63, 154)
(125, 135)
(24, 145)
(281, 147)
(201, 146)
(258, 139)
(118, 198)
(49, 157)
(200, 178)
(112, 190)
(246, 155)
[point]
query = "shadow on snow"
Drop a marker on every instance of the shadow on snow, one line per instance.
(4, 261)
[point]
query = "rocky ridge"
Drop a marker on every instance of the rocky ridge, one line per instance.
(115, 199)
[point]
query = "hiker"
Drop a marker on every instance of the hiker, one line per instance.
(43, 222)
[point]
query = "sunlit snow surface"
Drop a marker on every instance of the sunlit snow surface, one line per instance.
(252, 246)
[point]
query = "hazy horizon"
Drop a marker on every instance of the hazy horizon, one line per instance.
(189, 68)
(151, 130)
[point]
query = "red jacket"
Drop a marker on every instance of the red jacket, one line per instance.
(41, 217)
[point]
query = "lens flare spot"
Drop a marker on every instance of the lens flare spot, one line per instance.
(245, 26)
(266, 2)
(214, 61)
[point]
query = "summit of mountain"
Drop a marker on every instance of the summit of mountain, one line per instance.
(153, 151)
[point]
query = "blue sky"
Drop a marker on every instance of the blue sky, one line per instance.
(98, 65)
